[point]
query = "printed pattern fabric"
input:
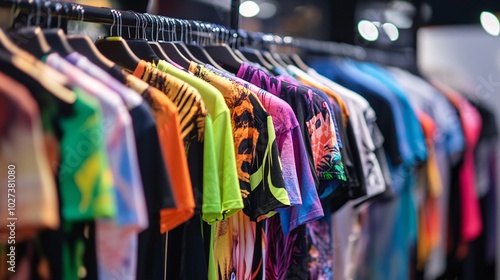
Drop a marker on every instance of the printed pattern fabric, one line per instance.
(192, 111)
(320, 250)
(239, 242)
(314, 118)
(257, 159)
(296, 255)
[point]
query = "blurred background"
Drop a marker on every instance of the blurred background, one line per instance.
(453, 41)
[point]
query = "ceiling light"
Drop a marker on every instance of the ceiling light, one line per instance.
(368, 30)
(490, 23)
(249, 9)
(267, 10)
(391, 30)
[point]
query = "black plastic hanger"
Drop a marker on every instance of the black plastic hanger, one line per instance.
(255, 56)
(278, 59)
(118, 51)
(58, 42)
(143, 50)
(84, 46)
(173, 52)
(21, 70)
(299, 62)
(286, 59)
(184, 36)
(155, 46)
(33, 41)
(269, 57)
(195, 47)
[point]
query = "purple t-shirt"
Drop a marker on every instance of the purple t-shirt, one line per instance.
(287, 255)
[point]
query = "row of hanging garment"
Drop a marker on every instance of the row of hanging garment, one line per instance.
(442, 150)
(154, 165)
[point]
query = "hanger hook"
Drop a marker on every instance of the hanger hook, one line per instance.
(144, 27)
(157, 19)
(162, 28)
(49, 13)
(169, 27)
(120, 23)
(156, 31)
(141, 26)
(147, 18)
(201, 31)
(113, 24)
(153, 22)
(174, 28)
(186, 29)
(38, 5)
(184, 32)
(197, 42)
(15, 10)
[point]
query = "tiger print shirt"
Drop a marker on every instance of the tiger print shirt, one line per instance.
(192, 111)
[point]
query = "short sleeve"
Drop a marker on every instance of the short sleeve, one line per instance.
(211, 208)
(226, 165)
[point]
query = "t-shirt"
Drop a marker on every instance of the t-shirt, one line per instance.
(449, 145)
(287, 256)
(261, 180)
(292, 154)
(384, 103)
(330, 190)
(28, 180)
(85, 180)
(157, 191)
(284, 122)
(413, 129)
(119, 138)
(219, 161)
(314, 120)
(429, 219)
(184, 240)
(362, 117)
(257, 158)
(192, 116)
(173, 153)
(471, 225)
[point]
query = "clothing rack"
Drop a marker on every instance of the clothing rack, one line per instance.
(77, 12)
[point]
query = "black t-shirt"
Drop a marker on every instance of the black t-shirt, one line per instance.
(157, 191)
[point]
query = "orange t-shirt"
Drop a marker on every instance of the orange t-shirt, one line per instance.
(169, 133)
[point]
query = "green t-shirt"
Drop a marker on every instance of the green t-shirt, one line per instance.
(85, 179)
(219, 165)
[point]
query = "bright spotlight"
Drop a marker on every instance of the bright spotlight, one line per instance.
(267, 10)
(490, 23)
(391, 30)
(368, 30)
(249, 9)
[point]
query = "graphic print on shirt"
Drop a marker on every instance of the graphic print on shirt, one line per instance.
(238, 242)
(257, 158)
(317, 121)
(192, 111)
